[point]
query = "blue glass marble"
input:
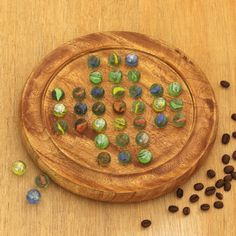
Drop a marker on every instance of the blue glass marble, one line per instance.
(156, 90)
(124, 157)
(93, 61)
(33, 196)
(131, 60)
(97, 92)
(161, 120)
(80, 108)
(135, 91)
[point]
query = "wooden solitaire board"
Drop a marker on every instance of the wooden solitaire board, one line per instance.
(70, 159)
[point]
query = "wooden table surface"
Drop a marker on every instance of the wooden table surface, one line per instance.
(204, 30)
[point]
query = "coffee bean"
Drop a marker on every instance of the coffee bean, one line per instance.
(180, 193)
(228, 169)
(219, 183)
(186, 211)
(228, 178)
(173, 208)
(227, 186)
(211, 173)
(233, 174)
(234, 155)
(219, 195)
(194, 198)
(198, 186)
(210, 190)
(233, 116)
(225, 138)
(218, 204)
(205, 207)
(146, 223)
(224, 83)
(225, 158)
(234, 134)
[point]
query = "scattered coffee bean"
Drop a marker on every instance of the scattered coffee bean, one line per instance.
(219, 183)
(233, 174)
(173, 208)
(211, 173)
(146, 223)
(210, 190)
(186, 211)
(180, 193)
(228, 178)
(194, 198)
(218, 204)
(224, 83)
(227, 186)
(205, 207)
(198, 186)
(228, 169)
(219, 196)
(234, 155)
(225, 138)
(234, 134)
(226, 159)
(233, 116)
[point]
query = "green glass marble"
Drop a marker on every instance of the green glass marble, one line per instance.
(93, 61)
(118, 92)
(104, 159)
(119, 107)
(138, 107)
(139, 122)
(98, 108)
(95, 77)
(101, 141)
(176, 104)
(135, 91)
(144, 156)
(42, 181)
(58, 94)
(156, 90)
(134, 76)
(122, 140)
(179, 120)
(142, 139)
(60, 127)
(79, 93)
(18, 168)
(119, 123)
(124, 157)
(174, 89)
(161, 120)
(59, 110)
(159, 104)
(99, 125)
(114, 59)
(115, 76)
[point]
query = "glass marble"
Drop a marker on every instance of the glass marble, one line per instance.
(80, 108)
(138, 107)
(156, 90)
(120, 123)
(176, 104)
(118, 92)
(114, 59)
(93, 61)
(135, 91)
(33, 196)
(42, 181)
(79, 93)
(174, 89)
(131, 60)
(59, 110)
(159, 104)
(134, 76)
(81, 125)
(99, 125)
(142, 139)
(18, 168)
(60, 127)
(58, 94)
(179, 120)
(115, 76)
(98, 108)
(161, 120)
(144, 156)
(97, 92)
(124, 157)
(139, 122)
(95, 77)
(119, 107)
(104, 159)
(101, 141)
(122, 140)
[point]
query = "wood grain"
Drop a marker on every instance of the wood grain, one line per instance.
(205, 30)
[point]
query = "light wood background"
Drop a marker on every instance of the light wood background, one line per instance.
(205, 30)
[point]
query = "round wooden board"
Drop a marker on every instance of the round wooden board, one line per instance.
(70, 159)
